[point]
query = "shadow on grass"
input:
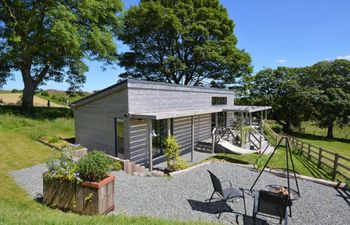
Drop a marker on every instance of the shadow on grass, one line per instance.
(37, 112)
(318, 138)
(230, 160)
(312, 168)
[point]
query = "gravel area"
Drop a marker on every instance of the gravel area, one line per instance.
(183, 196)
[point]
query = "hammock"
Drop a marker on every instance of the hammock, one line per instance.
(232, 148)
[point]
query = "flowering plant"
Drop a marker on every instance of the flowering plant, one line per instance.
(63, 168)
(95, 166)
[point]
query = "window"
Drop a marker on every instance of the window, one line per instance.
(219, 101)
(119, 133)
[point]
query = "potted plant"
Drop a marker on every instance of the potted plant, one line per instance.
(84, 186)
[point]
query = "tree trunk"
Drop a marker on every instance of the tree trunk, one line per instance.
(330, 131)
(28, 91)
(28, 96)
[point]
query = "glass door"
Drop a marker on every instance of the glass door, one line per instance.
(119, 137)
(159, 133)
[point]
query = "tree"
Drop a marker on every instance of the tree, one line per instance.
(181, 41)
(283, 89)
(48, 40)
(332, 103)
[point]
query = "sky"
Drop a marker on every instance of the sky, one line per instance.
(275, 33)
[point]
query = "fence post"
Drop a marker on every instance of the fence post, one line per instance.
(335, 165)
(308, 151)
(302, 146)
(296, 144)
(319, 157)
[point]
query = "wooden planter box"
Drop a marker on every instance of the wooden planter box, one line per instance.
(89, 198)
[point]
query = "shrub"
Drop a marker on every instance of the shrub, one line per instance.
(45, 93)
(1, 101)
(15, 91)
(172, 152)
(117, 165)
(53, 139)
(94, 167)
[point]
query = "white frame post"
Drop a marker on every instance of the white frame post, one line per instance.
(150, 145)
(192, 138)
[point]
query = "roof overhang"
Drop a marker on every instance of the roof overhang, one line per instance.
(247, 108)
(173, 114)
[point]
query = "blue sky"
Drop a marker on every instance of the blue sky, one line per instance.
(274, 32)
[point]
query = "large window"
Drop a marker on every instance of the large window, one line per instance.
(119, 139)
(219, 101)
(160, 130)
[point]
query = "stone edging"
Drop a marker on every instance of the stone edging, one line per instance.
(188, 169)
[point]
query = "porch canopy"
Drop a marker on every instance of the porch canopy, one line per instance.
(247, 108)
(173, 113)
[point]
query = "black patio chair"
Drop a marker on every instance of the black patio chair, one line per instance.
(271, 204)
(226, 194)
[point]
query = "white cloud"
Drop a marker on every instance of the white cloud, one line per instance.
(347, 57)
(281, 61)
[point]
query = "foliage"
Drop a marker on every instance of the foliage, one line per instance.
(48, 40)
(94, 166)
(172, 152)
(117, 165)
(63, 168)
(45, 93)
(188, 42)
(332, 102)
(53, 139)
(38, 112)
(283, 89)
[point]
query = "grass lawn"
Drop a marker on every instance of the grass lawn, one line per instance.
(19, 150)
(278, 161)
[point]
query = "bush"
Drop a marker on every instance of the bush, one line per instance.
(94, 167)
(117, 165)
(15, 91)
(53, 139)
(172, 152)
(45, 93)
(1, 101)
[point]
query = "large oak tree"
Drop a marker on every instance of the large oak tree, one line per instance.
(48, 40)
(332, 103)
(182, 42)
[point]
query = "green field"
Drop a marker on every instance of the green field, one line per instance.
(56, 97)
(18, 150)
(337, 145)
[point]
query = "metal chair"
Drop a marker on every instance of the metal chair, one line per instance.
(272, 204)
(226, 194)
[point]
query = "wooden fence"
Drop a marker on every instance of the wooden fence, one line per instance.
(335, 163)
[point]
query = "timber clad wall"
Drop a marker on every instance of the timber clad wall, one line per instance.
(229, 119)
(94, 122)
(138, 145)
(182, 130)
(160, 99)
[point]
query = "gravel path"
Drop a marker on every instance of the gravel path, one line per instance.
(183, 196)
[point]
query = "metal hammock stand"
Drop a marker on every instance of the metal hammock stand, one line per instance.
(288, 154)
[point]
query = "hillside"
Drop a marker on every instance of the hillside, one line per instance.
(58, 98)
